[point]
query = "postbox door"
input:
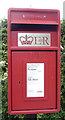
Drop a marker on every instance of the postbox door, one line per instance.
(34, 66)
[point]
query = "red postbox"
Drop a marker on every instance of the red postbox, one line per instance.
(33, 61)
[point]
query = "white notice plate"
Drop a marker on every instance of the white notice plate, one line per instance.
(35, 79)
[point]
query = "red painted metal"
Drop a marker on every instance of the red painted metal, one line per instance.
(33, 21)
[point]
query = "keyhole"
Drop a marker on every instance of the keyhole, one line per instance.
(19, 82)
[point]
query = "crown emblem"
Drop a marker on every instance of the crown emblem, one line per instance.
(26, 40)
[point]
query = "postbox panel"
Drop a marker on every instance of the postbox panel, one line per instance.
(28, 68)
(48, 36)
(34, 16)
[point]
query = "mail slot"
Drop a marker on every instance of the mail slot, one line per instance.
(33, 61)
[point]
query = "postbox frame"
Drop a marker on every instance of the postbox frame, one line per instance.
(11, 48)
